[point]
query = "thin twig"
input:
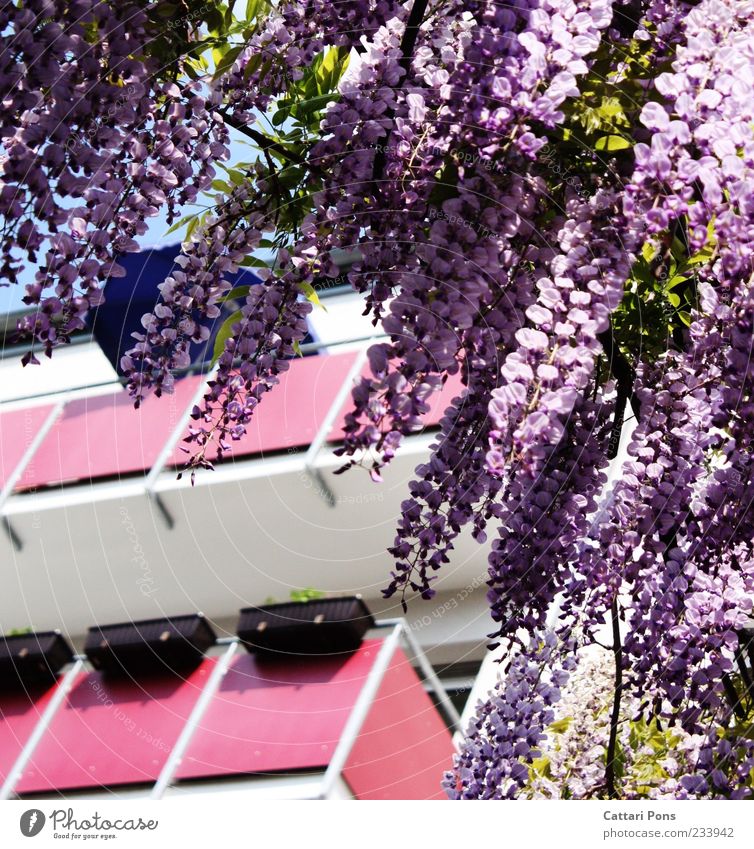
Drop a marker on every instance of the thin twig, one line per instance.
(265, 143)
(621, 369)
(617, 648)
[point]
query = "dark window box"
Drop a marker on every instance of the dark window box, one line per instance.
(317, 627)
(153, 646)
(32, 660)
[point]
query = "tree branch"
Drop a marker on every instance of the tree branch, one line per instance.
(267, 145)
(408, 43)
(610, 789)
(621, 368)
(411, 33)
(624, 374)
(735, 701)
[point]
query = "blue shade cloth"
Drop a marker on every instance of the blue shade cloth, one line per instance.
(128, 298)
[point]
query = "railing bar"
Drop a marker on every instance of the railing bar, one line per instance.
(360, 711)
(433, 679)
(64, 687)
(196, 368)
(172, 440)
(39, 437)
(192, 723)
(320, 437)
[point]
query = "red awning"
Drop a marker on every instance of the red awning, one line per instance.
(290, 415)
(17, 431)
(104, 436)
(438, 403)
(266, 717)
(19, 714)
(273, 716)
(113, 732)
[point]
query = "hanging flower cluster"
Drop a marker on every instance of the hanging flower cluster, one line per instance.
(509, 728)
(95, 142)
(552, 199)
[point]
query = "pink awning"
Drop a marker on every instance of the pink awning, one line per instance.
(19, 714)
(17, 431)
(291, 414)
(438, 403)
(104, 436)
(113, 732)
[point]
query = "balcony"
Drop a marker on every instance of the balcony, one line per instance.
(357, 725)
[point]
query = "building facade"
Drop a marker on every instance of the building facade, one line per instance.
(97, 529)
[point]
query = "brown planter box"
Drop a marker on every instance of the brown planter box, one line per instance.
(317, 627)
(151, 646)
(31, 660)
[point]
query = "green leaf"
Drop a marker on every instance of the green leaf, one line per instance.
(253, 262)
(252, 65)
(676, 280)
(705, 254)
(701, 257)
(226, 60)
(310, 294)
(649, 774)
(218, 53)
(539, 767)
(179, 224)
(236, 294)
(214, 20)
(281, 116)
(330, 69)
(306, 594)
(561, 725)
(236, 177)
(612, 143)
(253, 8)
(224, 333)
(191, 70)
(678, 249)
(611, 108)
(297, 348)
(316, 103)
(649, 251)
(193, 224)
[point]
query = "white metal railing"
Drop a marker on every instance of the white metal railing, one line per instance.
(17, 473)
(320, 437)
(204, 368)
(64, 687)
(189, 729)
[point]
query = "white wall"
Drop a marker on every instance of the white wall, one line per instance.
(76, 365)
